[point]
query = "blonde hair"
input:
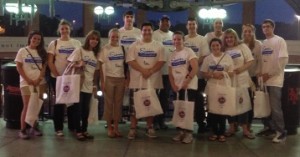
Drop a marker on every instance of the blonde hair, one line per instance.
(231, 31)
(64, 22)
(250, 42)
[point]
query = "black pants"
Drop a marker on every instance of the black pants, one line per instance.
(217, 123)
(199, 105)
(164, 97)
(81, 112)
(59, 112)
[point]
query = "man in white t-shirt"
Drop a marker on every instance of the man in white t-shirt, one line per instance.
(218, 30)
(274, 57)
(145, 58)
(129, 33)
(164, 36)
(200, 47)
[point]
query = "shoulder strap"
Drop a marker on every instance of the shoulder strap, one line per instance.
(33, 59)
(219, 61)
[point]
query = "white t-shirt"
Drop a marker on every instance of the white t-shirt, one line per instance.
(91, 64)
(113, 59)
(61, 52)
(211, 35)
(210, 64)
(179, 62)
(272, 50)
(127, 37)
(255, 53)
(241, 54)
(146, 55)
(166, 40)
(29, 67)
(199, 45)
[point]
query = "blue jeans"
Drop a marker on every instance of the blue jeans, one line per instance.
(275, 121)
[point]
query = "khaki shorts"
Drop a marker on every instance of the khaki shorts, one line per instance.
(41, 89)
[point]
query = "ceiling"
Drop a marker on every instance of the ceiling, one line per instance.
(295, 4)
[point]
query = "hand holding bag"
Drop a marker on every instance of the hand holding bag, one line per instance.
(34, 107)
(68, 87)
(261, 106)
(221, 98)
(183, 115)
(146, 102)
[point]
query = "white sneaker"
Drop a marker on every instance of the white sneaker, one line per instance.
(280, 137)
(59, 133)
(24, 135)
(151, 133)
(188, 138)
(132, 134)
(179, 136)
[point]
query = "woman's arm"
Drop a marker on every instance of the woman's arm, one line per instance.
(51, 65)
(22, 73)
(172, 82)
(194, 65)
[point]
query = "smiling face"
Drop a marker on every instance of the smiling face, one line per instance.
(35, 40)
(218, 25)
(164, 25)
(192, 26)
(230, 40)
(114, 38)
(178, 41)
(147, 33)
(215, 47)
(248, 33)
(64, 31)
(93, 41)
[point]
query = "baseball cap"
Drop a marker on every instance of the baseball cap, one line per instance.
(165, 17)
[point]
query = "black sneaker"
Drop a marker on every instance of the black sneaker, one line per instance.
(266, 132)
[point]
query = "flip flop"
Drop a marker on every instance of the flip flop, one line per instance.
(213, 137)
(249, 136)
(222, 138)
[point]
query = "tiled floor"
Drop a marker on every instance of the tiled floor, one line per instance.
(163, 146)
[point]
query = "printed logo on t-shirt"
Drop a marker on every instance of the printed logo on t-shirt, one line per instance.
(89, 61)
(216, 67)
(194, 48)
(235, 55)
(112, 56)
(146, 53)
(66, 50)
(167, 42)
(267, 51)
(30, 60)
(127, 40)
(178, 62)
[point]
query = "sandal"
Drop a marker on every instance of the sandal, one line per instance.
(213, 137)
(88, 136)
(249, 136)
(111, 134)
(80, 137)
(222, 138)
(118, 134)
(229, 134)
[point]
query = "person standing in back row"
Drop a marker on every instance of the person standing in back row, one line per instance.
(273, 59)
(200, 47)
(164, 35)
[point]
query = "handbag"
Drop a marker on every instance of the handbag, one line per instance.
(261, 107)
(93, 113)
(242, 98)
(221, 98)
(34, 107)
(68, 87)
(183, 115)
(146, 102)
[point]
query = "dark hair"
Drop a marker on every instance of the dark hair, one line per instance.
(147, 24)
(64, 22)
(251, 43)
(215, 39)
(41, 47)
(192, 19)
(271, 22)
(179, 33)
(86, 45)
(129, 12)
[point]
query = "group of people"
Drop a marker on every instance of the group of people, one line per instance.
(171, 61)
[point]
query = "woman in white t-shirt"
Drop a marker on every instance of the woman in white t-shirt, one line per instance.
(85, 58)
(183, 68)
(249, 38)
(31, 63)
(242, 60)
(213, 69)
(58, 52)
(112, 74)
